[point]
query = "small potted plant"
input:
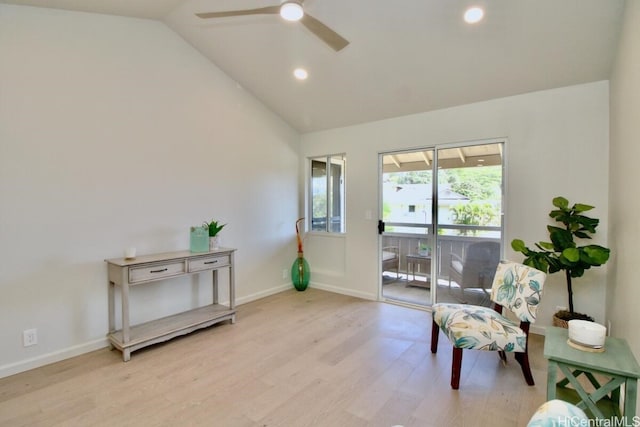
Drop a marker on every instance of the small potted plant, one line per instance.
(214, 229)
(563, 253)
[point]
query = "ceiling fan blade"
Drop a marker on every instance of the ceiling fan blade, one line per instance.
(330, 37)
(258, 11)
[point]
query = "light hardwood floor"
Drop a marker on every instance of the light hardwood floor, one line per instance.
(309, 358)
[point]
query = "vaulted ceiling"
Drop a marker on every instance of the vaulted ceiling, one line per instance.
(404, 56)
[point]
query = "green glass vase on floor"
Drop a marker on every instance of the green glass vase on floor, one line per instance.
(300, 272)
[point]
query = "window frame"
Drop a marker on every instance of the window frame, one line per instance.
(329, 220)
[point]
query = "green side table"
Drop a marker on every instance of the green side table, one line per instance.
(616, 363)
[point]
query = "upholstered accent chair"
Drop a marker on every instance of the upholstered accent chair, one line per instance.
(476, 269)
(558, 413)
(517, 288)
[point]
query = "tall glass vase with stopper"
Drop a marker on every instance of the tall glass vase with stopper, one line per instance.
(300, 271)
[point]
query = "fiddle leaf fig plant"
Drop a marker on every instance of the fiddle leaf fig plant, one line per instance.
(562, 253)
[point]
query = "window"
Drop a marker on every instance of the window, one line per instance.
(327, 193)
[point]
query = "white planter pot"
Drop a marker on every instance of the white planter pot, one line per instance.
(214, 243)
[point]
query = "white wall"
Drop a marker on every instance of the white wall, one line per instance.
(557, 145)
(115, 132)
(623, 288)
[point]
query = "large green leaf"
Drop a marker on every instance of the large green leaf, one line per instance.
(560, 202)
(545, 245)
(518, 245)
(597, 254)
(571, 254)
(561, 238)
(579, 207)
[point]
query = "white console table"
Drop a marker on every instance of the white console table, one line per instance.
(127, 273)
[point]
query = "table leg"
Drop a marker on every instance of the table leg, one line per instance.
(125, 313)
(112, 308)
(630, 396)
(232, 286)
(215, 286)
(552, 373)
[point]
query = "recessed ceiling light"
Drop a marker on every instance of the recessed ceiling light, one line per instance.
(300, 73)
(473, 15)
(291, 11)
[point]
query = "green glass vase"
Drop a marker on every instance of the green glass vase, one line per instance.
(300, 272)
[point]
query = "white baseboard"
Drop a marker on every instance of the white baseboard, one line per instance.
(77, 350)
(263, 294)
(55, 356)
(343, 291)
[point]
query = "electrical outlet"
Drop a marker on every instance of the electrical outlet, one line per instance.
(29, 337)
(284, 273)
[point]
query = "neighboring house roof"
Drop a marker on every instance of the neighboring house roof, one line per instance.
(418, 194)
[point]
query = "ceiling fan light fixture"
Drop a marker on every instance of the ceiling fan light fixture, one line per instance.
(473, 15)
(291, 11)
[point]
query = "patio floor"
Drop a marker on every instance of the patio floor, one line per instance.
(412, 290)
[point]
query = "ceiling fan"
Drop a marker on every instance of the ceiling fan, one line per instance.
(290, 10)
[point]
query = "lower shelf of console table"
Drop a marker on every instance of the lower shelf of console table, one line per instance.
(166, 328)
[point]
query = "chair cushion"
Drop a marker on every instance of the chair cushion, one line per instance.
(387, 255)
(457, 266)
(479, 328)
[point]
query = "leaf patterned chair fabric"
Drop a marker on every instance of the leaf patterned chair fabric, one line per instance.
(517, 288)
(558, 413)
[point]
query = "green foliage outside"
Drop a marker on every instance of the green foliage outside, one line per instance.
(413, 177)
(319, 208)
(473, 213)
(477, 184)
(482, 186)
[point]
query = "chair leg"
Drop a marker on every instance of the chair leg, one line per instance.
(523, 360)
(503, 356)
(455, 368)
(435, 331)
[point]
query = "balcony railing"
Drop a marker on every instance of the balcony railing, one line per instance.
(452, 239)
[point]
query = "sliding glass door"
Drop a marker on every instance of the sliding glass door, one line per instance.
(440, 222)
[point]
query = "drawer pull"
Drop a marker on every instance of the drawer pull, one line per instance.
(159, 271)
(211, 262)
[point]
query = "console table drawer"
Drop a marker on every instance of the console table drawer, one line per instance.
(156, 271)
(208, 263)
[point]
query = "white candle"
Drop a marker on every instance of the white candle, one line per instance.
(130, 253)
